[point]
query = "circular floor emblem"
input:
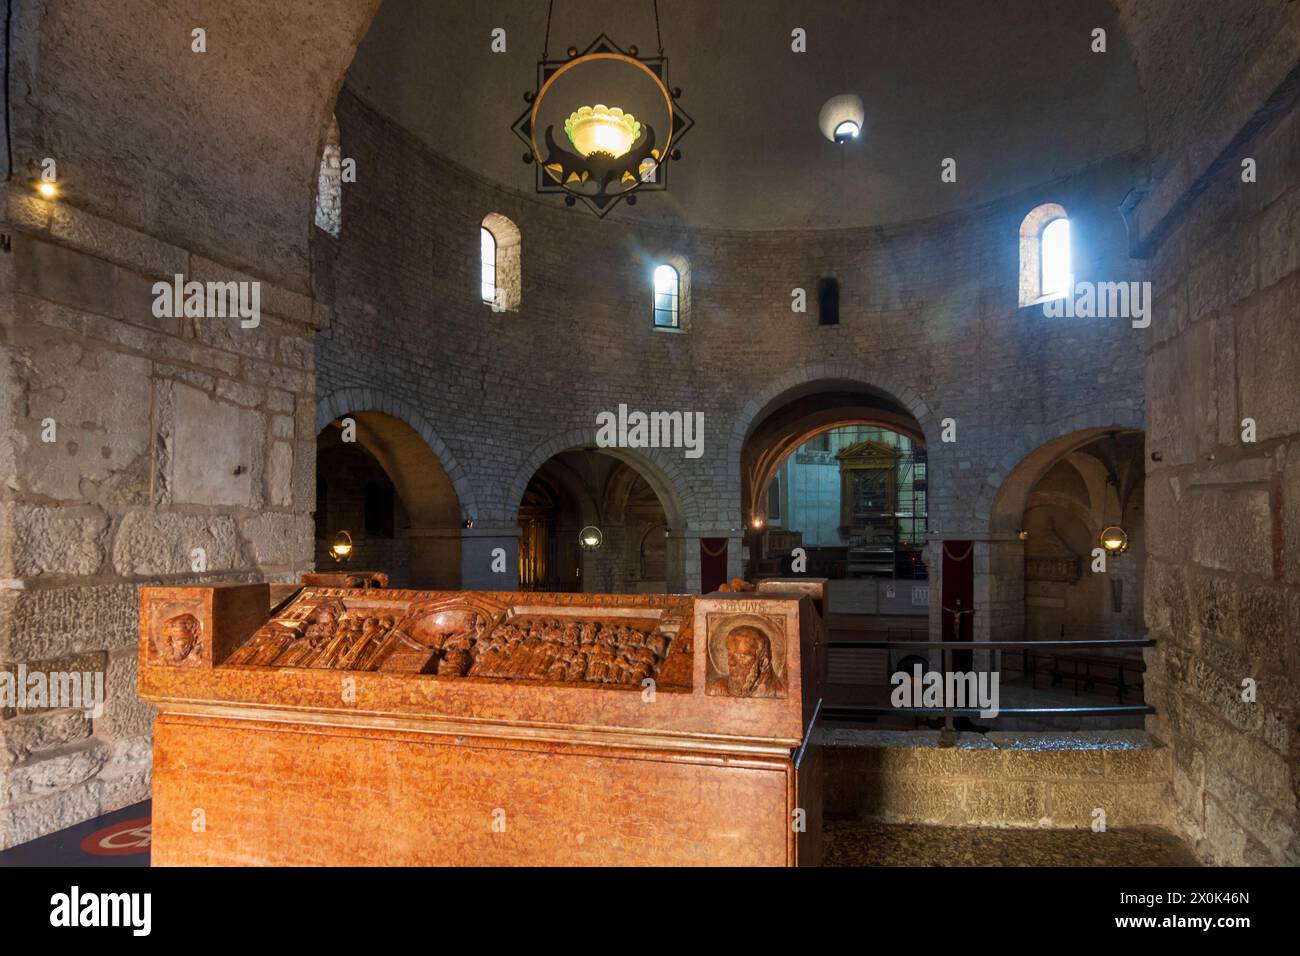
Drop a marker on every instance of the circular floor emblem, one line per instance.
(121, 839)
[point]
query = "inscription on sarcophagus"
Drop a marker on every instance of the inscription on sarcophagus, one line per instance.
(473, 637)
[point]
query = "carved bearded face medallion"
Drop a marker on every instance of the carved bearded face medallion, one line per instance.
(750, 672)
(180, 638)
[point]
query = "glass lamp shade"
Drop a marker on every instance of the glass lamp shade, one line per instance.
(1114, 539)
(846, 131)
(590, 538)
(841, 118)
(341, 549)
(602, 129)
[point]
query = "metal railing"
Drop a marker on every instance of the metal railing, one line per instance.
(1029, 655)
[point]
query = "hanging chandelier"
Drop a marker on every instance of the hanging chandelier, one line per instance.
(618, 121)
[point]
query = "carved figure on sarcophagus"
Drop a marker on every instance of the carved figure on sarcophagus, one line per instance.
(450, 630)
(746, 657)
(181, 640)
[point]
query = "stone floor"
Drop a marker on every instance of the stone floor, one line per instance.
(878, 844)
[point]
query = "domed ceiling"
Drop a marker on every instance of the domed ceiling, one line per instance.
(1011, 90)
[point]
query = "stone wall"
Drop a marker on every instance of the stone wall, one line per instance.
(929, 315)
(997, 779)
(1223, 577)
(127, 442)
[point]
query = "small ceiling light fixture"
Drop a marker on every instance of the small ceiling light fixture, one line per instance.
(841, 118)
(341, 549)
(1114, 539)
(590, 538)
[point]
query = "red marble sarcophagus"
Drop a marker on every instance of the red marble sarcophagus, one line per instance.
(364, 726)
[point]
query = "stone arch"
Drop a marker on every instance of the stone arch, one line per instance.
(246, 198)
(817, 377)
(1019, 470)
(1010, 489)
(662, 472)
(659, 471)
(345, 400)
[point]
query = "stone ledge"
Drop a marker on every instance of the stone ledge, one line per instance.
(997, 779)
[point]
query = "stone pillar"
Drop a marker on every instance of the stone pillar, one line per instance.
(675, 559)
(435, 561)
(476, 558)
(604, 570)
(999, 592)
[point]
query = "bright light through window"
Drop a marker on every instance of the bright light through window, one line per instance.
(488, 280)
(666, 295)
(1057, 274)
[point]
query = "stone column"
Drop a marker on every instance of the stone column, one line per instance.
(477, 547)
(435, 561)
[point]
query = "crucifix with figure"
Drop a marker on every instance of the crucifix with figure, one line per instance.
(957, 611)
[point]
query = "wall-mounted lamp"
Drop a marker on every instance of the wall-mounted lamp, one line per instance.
(47, 189)
(341, 549)
(1114, 539)
(590, 538)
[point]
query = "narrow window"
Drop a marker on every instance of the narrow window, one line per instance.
(488, 275)
(667, 297)
(1045, 268)
(828, 301)
(329, 183)
(501, 271)
(1056, 259)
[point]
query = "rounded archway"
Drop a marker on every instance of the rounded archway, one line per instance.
(1045, 527)
(378, 479)
(577, 489)
(840, 470)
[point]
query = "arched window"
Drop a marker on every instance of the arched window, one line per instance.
(1046, 270)
(329, 183)
(668, 295)
(500, 271)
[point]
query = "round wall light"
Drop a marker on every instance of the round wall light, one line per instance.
(1114, 539)
(590, 538)
(841, 118)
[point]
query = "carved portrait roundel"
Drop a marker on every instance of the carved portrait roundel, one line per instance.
(722, 628)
